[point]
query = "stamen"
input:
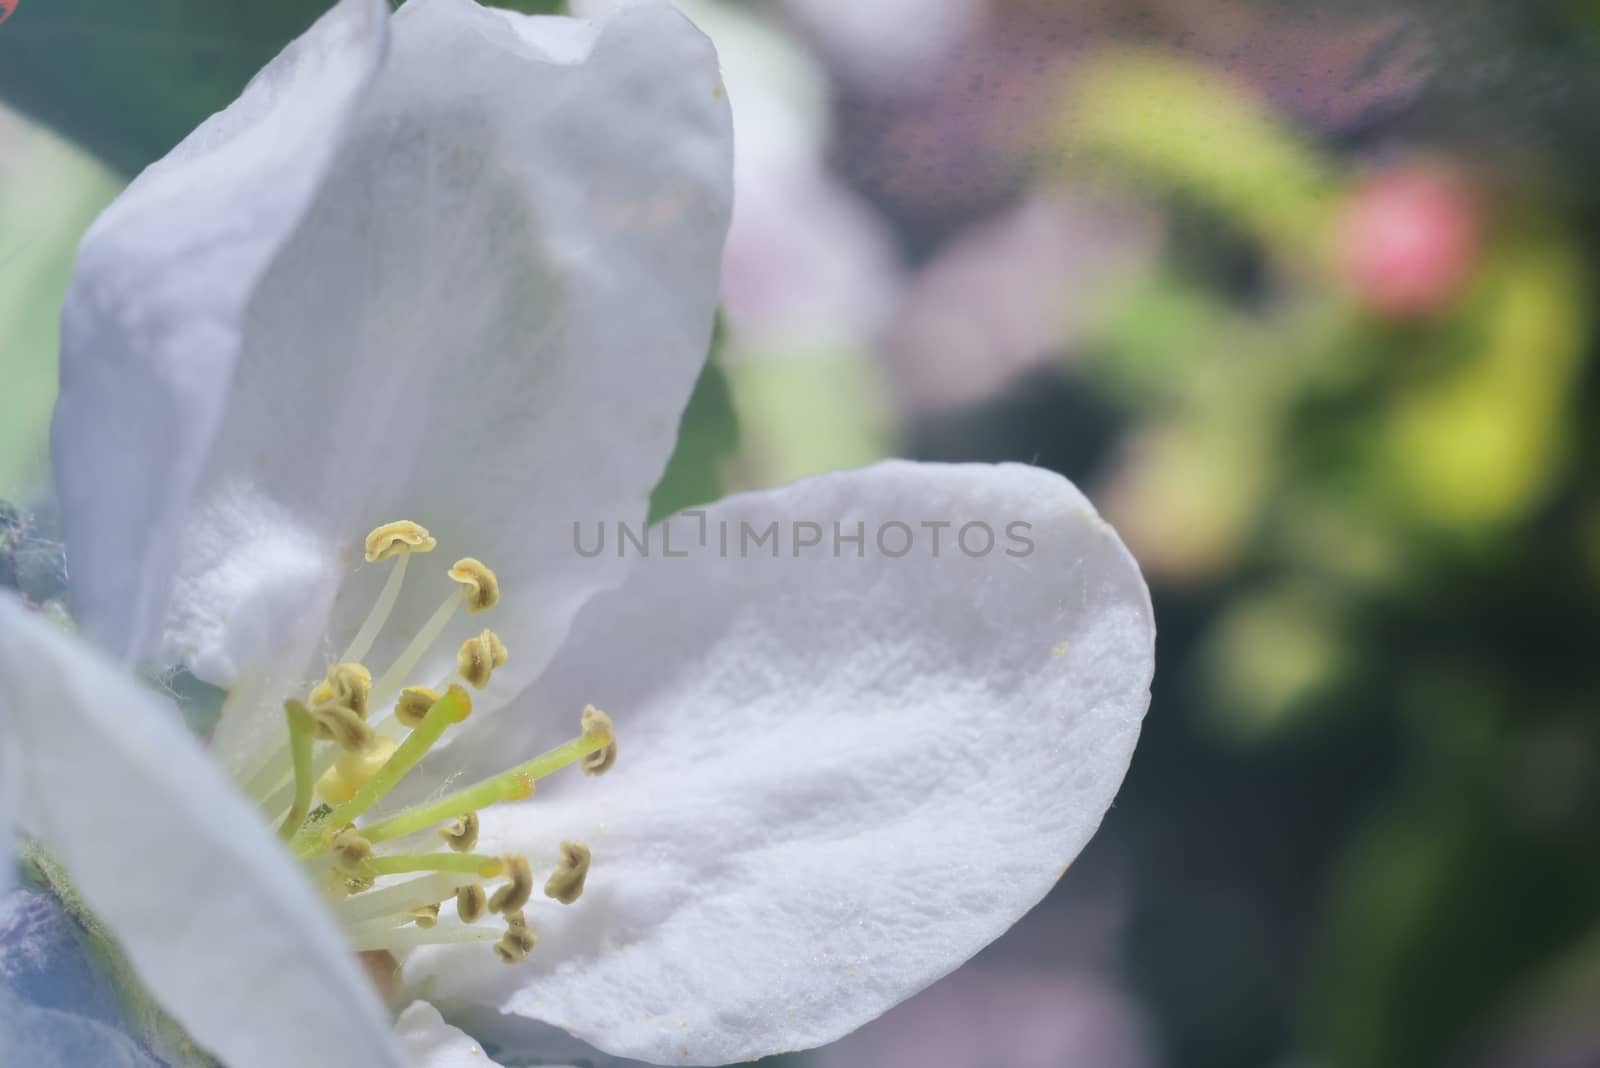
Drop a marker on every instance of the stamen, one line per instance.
(382, 609)
(483, 586)
(566, 882)
(519, 888)
(518, 942)
(344, 725)
(426, 916)
(400, 537)
(452, 708)
(414, 704)
(466, 863)
(301, 732)
(347, 684)
(407, 660)
(351, 853)
(471, 903)
(479, 657)
(513, 785)
(401, 897)
(402, 938)
(594, 721)
(462, 835)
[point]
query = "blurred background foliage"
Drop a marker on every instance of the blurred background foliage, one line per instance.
(1303, 294)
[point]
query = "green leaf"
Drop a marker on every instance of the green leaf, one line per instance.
(707, 436)
(49, 192)
(128, 79)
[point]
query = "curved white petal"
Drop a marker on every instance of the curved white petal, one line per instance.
(429, 1042)
(839, 776)
(489, 323)
(152, 324)
(209, 909)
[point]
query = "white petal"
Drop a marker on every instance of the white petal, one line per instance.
(211, 912)
(839, 777)
(489, 323)
(429, 1042)
(152, 324)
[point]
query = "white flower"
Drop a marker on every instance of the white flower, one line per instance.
(459, 267)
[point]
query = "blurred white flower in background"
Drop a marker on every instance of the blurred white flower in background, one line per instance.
(893, 42)
(1012, 293)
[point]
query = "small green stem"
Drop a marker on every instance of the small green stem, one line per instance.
(452, 708)
(465, 863)
(513, 785)
(300, 739)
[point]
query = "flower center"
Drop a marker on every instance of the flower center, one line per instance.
(351, 740)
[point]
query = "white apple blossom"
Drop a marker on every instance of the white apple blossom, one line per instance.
(457, 268)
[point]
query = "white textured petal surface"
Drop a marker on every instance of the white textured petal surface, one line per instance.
(153, 321)
(489, 323)
(839, 776)
(215, 918)
(429, 1042)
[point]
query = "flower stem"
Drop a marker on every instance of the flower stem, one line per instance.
(513, 785)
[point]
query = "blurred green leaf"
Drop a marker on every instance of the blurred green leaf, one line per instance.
(1481, 443)
(808, 413)
(1451, 905)
(533, 7)
(1189, 127)
(128, 79)
(49, 193)
(707, 437)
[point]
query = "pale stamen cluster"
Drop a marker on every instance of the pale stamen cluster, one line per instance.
(353, 739)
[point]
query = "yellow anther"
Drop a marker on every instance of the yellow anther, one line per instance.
(359, 884)
(426, 916)
(599, 762)
(350, 850)
(344, 725)
(517, 889)
(402, 536)
(346, 684)
(483, 589)
(471, 903)
(462, 835)
(519, 939)
(414, 704)
(566, 882)
(479, 657)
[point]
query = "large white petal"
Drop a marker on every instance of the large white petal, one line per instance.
(429, 1042)
(489, 323)
(152, 324)
(839, 777)
(209, 909)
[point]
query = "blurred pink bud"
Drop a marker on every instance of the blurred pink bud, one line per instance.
(1407, 241)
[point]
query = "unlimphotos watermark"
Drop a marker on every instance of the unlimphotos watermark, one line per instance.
(743, 539)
